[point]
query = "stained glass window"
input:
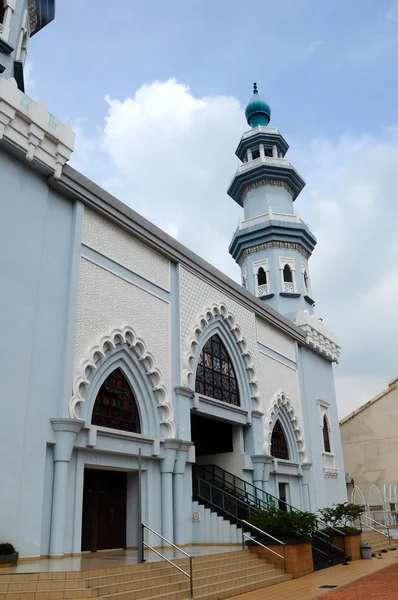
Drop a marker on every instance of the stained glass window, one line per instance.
(325, 432)
(115, 406)
(215, 375)
(287, 274)
(279, 447)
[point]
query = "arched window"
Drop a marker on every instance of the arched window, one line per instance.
(115, 406)
(279, 447)
(215, 375)
(2, 11)
(261, 277)
(287, 274)
(325, 433)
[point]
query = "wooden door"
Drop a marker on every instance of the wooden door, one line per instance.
(104, 510)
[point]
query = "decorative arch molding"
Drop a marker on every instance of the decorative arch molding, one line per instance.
(217, 312)
(357, 496)
(375, 498)
(282, 409)
(96, 357)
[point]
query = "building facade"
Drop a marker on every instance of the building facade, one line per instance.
(370, 447)
(118, 342)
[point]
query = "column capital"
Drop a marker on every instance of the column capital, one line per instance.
(65, 431)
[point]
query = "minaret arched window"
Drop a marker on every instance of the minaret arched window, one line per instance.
(287, 268)
(2, 12)
(115, 405)
(287, 274)
(261, 277)
(325, 433)
(279, 447)
(215, 375)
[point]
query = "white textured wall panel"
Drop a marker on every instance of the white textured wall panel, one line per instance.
(107, 302)
(118, 245)
(276, 377)
(272, 338)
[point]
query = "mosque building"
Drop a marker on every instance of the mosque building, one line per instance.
(121, 347)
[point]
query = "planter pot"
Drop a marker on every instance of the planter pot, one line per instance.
(8, 560)
(298, 553)
(349, 542)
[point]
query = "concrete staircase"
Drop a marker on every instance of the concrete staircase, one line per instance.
(216, 576)
(377, 540)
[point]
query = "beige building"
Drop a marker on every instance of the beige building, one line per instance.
(370, 448)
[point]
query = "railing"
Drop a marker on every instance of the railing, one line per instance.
(231, 505)
(249, 538)
(240, 488)
(383, 517)
(237, 500)
(269, 216)
(375, 526)
(144, 544)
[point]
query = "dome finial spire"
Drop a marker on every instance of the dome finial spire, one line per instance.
(257, 111)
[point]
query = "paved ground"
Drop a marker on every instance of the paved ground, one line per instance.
(313, 586)
(382, 585)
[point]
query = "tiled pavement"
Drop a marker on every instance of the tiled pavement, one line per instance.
(309, 587)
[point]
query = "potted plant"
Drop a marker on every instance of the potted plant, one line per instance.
(8, 554)
(339, 520)
(293, 529)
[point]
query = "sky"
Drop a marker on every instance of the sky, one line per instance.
(156, 94)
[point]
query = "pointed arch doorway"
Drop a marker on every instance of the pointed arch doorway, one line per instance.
(104, 518)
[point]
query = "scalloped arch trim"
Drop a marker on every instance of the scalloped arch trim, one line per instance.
(107, 343)
(282, 401)
(210, 314)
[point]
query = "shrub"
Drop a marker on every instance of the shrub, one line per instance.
(6, 548)
(280, 523)
(340, 515)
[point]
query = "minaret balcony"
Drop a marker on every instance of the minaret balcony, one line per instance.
(263, 168)
(269, 216)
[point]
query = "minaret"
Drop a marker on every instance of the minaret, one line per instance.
(272, 244)
(19, 20)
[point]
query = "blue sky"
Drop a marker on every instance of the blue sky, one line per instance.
(325, 67)
(163, 84)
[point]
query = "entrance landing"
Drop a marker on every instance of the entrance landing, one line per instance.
(109, 559)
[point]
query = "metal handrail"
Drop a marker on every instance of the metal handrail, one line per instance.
(374, 521)
(257, 491)
(248, 536)
(189, 575)
(318, 531)
(233, 498)
(375, 528)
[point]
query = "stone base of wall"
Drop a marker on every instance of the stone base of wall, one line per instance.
(350, 543)
(298, 556)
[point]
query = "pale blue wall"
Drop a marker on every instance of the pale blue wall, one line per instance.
(37, 232)
(259, 200)
(279, 303)
(317, 380)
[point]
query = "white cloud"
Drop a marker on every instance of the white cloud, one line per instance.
(392, 12)
(314, 45)
(170, 156)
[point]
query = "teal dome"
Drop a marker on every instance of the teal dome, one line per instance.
(257, 112)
